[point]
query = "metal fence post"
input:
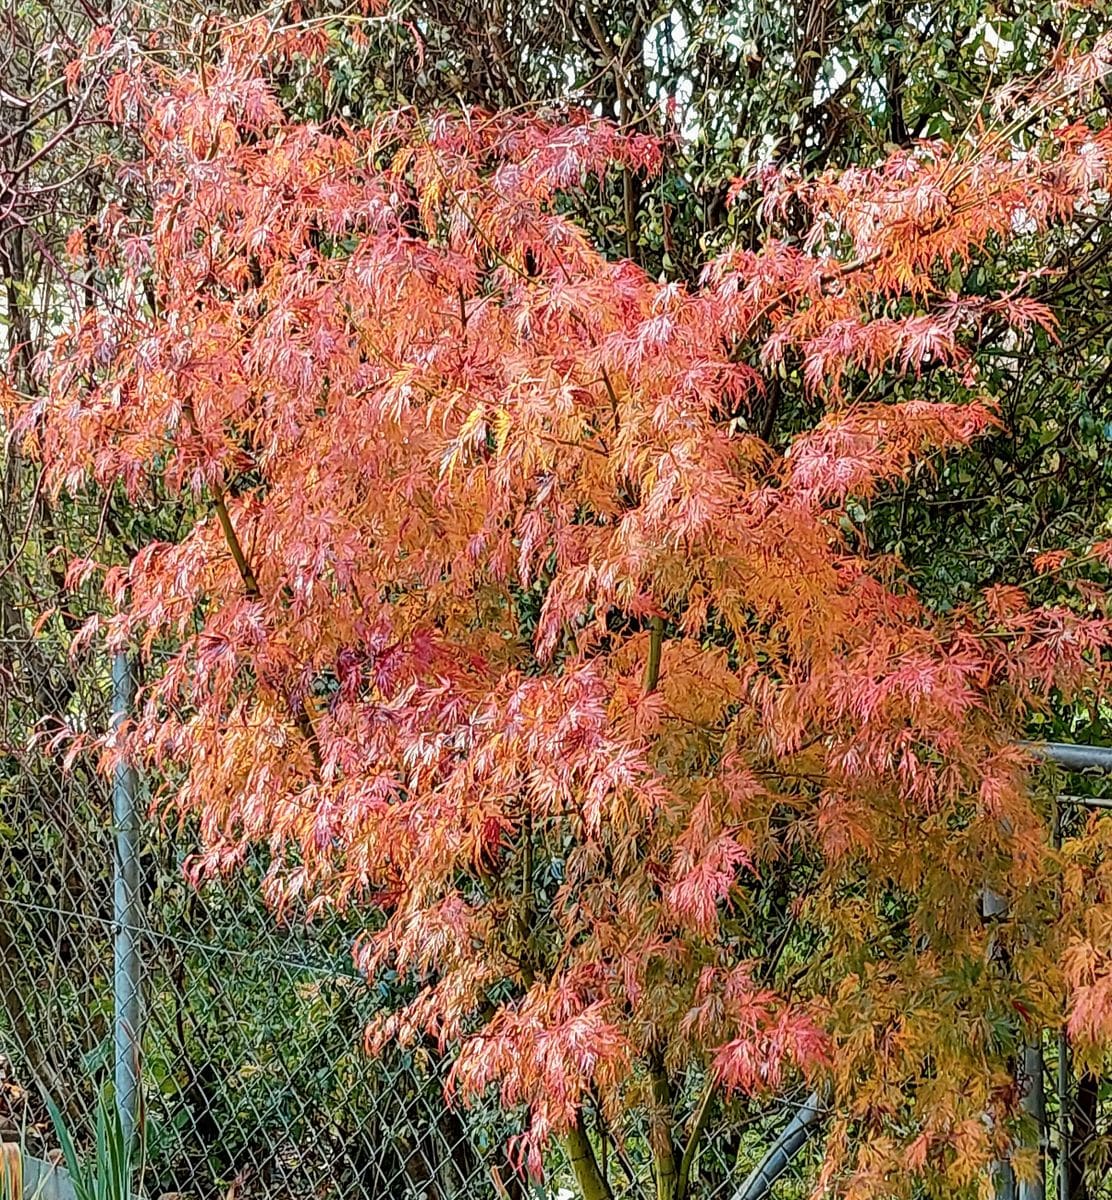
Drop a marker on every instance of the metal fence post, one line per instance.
(1034, 1105)
(1065, 1092)
(126, 984)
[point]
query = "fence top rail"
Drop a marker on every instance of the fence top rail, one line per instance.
(1073, 757)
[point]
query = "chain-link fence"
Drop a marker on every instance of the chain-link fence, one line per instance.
(253, 1075)
(253, 1078)
(248, 1039)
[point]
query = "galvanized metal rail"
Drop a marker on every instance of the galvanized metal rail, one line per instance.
(1072, 757)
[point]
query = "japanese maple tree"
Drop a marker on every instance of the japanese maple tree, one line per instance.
(496, 616)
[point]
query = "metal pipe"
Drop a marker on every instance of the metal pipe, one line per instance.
(1034, 1105)
(994, 908)
(1065, 1092)
(125, 896)
(1065, 1099)
(1072, 757)
(777, 1159)
(1086, 801)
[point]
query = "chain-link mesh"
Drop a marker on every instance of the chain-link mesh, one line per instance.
(253, 1078)
(254, 1083)
(250, 1049)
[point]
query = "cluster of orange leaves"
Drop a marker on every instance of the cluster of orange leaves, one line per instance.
(447, 465)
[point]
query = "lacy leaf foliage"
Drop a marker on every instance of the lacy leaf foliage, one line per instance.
(498, 618)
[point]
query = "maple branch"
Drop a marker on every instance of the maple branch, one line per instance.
(299, 712)
(581, 1155)
(698, 1125)
(652, 663)
(592, 1183)
(660, 1131)
(527, 914)
(775, 395)
(250, 583)
(608, 1137)
(660, 1117)
(613, 395)
(31, 513)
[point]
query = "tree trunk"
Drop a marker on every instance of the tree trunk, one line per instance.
(665, 1169)
(581, 1155)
